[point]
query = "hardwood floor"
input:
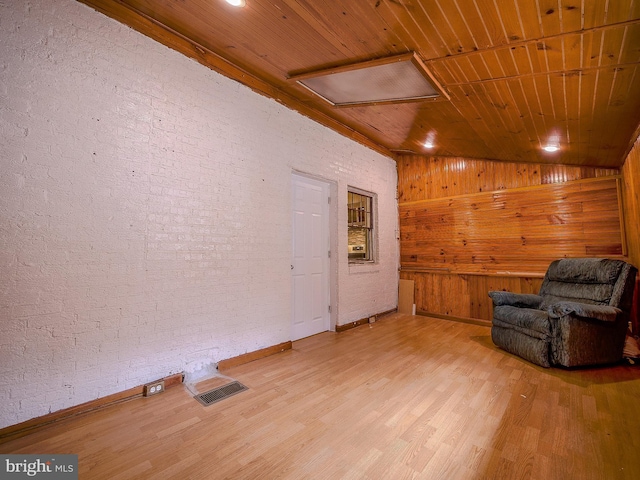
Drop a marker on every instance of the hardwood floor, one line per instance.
(405, 397)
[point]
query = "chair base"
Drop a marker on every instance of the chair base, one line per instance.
(584, 342)
(533, 349)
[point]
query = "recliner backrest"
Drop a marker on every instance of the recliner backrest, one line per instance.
(595, 281)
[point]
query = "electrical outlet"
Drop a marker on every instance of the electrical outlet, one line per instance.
(153, 388)
(372, 319)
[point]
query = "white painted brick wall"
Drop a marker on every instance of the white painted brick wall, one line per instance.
(145, 211)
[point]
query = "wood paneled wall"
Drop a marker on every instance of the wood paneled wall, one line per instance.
(516, 231)
(470, 226)
(426, 178)
(631, 202)
(464, 296)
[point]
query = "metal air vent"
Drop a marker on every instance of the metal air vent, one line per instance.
(220, 393)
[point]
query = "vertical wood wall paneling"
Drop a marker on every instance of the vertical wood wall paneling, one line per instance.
(425, 178)
(631, 208)
(515, 219)
(631, 202)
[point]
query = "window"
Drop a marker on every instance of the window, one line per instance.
(361, 217)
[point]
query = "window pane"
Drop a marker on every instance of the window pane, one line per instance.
(360, 218)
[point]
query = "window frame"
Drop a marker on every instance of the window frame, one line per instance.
(371, 230)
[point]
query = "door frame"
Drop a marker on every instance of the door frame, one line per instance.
(333, 241)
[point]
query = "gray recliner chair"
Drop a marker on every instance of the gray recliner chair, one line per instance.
(580, 316)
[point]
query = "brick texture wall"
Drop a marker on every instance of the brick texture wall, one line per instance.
(145, 224)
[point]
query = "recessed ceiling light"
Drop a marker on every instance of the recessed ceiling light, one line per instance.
(429, 142)
(237, 3)
(553, 143)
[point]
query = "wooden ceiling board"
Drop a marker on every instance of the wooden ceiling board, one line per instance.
(533, 123)
(272, 37)
(195, 20)
(612, 46)
(457, 69)
(332, 23)
(571, 89)
(620, 11)
(435, 30)
(522, 59)
(572, 52)
(421, 118)
(591, 138)
(431, 22)
(394, 37)
(492, 121)
(381, 119)
(479, 28)
(528, 16)
(507, 63)
(603, 130)
(453, 141)
(502, 100)
(592, 49)
(549, 54)
(477, 67)
(517, 71)
(461, 38)
(621, 103)
(549, 17)
(572, 13)
(556, 84)
(630, 53)
(593, 13)
(392, 17)
(372, 29)
(536, 62)
(509, 25)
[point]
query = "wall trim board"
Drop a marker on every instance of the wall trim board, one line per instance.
(24, 428)
(448, 271)
(453, 318)
(255, 355)
(512, 190)
(362, 321)
(350, 325)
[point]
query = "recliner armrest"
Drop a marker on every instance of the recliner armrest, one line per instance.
(598, 312)
(522, 300)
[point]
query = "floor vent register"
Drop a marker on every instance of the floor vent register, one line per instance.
(220, 393)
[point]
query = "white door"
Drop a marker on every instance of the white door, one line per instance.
(310, 262)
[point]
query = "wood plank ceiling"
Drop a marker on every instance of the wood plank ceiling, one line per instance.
(518, 71)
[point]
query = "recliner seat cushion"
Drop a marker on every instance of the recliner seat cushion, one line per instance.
(527, 320)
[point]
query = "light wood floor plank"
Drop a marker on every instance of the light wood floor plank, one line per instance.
(404, 398)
